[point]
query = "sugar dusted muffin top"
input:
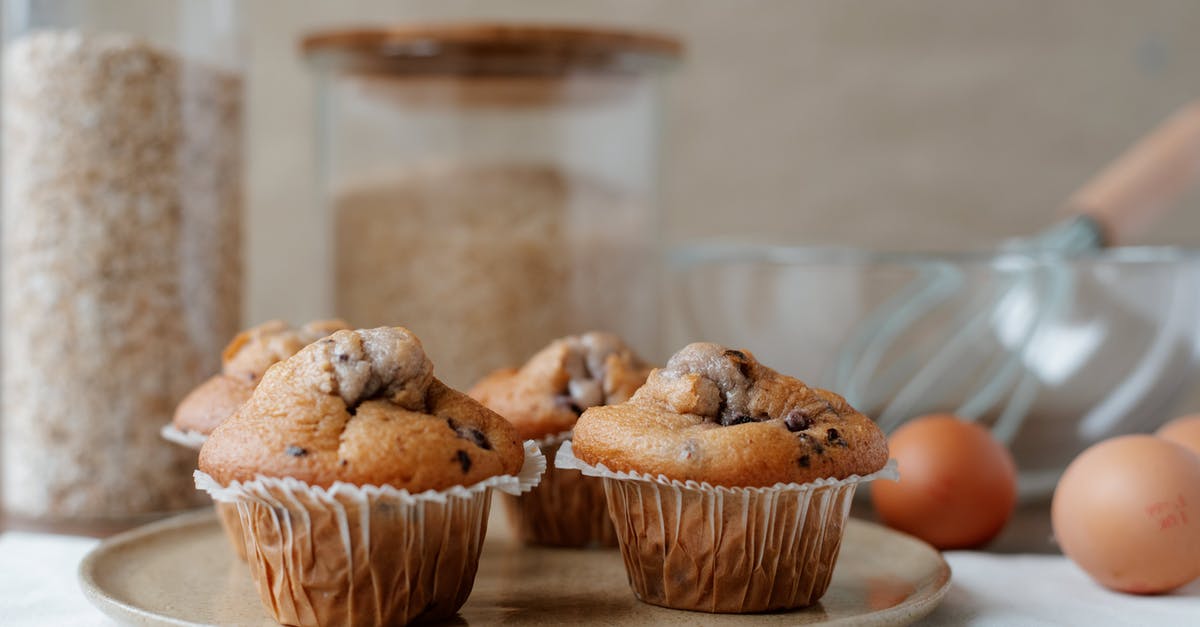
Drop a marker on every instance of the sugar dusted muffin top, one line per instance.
(716, 415)
(546, 395)
(244, 362)
(362, 407)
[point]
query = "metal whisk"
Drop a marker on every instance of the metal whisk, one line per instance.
(895, 367)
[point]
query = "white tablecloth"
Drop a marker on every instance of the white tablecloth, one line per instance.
(994, 590)
(39, 585)
(38, 588)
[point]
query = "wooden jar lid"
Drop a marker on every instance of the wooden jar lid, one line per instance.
(490, 50)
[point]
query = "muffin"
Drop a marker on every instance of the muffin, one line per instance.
(243, 363)
(543, 399)
(729, 482)
(362, 482)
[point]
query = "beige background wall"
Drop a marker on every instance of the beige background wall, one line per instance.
(917, 124)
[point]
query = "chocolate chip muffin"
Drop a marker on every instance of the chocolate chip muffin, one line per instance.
(353, 445)
(546, 396)
(729, 482)
(543, 399)
(717, 416)
(244, 362)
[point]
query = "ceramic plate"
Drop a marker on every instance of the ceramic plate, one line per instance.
(182, 572)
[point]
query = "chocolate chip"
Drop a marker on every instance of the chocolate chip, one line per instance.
(342, 462)
(343, 357)
(470, 434)
(804, 461)
(567, 402)
(296, 451)
(813, 444)
(251, 376)
(475, 436)
(743, 362)
(464, 460)
(740, 420)
(798, 419)
(833, 438)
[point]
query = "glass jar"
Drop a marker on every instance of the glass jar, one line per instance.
(122, 248)
(492, 187)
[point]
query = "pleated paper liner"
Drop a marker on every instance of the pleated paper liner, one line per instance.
(566, 509)
(695, 546)
(365, 555)
(190, 439)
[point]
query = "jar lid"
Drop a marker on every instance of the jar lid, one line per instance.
(490, 50)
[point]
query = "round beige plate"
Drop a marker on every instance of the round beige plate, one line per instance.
(182, 572)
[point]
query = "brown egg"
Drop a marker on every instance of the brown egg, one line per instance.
(1126, 511)
(1184, 431)
(957, 485)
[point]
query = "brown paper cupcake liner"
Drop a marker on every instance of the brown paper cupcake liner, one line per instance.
(231, 523)
(566, 509)
(695, 546)
(364, 555)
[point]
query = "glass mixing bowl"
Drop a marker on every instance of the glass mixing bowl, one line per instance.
(1053, 353)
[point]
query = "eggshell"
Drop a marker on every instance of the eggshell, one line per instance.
(957, 486)
(1184, 431)
(1126, 512)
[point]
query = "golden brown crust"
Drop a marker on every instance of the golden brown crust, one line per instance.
(546, 396)
(250, 353)
(362, 407)
(718, 416)
(244, 362)
(211, 403)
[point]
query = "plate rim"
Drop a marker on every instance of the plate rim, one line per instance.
(918, 604)
(110, 604)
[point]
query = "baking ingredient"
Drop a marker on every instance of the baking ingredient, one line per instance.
(957, 486)
(122, 267)
(1184, 431)
(1126, 512)
(488, 262)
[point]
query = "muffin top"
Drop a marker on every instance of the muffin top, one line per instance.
(716, 415)
(547, 395)
(211, 403)
(362, 407)
(244, 362)
(253, 351)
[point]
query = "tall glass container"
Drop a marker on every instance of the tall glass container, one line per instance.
(492, 187)
(122, 253)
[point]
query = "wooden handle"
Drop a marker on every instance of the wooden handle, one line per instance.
(1137, 188)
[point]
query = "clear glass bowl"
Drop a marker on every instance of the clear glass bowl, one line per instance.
(1053, 353)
